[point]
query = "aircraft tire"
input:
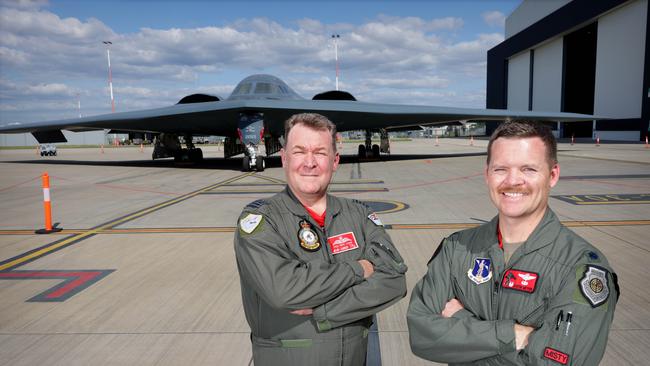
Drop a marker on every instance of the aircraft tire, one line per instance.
(375, 151)
(246, 164)
(362, 151)
(259, 164)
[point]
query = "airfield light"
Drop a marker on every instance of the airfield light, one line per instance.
(336, 37)
(110, 74)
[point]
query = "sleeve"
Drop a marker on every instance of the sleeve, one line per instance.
(590, 296)
(461, 338)
(386, 286)
(278, 276)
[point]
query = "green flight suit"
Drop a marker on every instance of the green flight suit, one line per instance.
(279, 274)
(554, 270)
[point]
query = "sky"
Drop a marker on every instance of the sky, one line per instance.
(53, 60)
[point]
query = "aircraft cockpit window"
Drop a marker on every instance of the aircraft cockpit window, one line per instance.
(283, 89)
(242, 89)
(263, 88)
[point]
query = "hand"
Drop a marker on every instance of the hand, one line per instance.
(521, 335)
(304, 312)
(368, 268)
(451, 307)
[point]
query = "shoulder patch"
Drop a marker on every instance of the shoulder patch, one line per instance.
(593, 285)
(249, 223)
(375, 219)
(256, 204)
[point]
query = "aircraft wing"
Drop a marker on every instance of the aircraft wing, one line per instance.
(221, 117)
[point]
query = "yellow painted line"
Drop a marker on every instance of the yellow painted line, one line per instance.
(110, 224)
(190, 230)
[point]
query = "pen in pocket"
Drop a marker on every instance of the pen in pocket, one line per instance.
(569, 317)
(560, 318)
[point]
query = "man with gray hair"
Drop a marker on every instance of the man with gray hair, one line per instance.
(522, 289)
(313, 268)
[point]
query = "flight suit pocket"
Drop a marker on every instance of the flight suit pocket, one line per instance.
(381, 255)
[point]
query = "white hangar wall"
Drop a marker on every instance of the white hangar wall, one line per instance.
(530, 68)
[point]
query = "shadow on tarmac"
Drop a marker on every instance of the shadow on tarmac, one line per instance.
(231, 163)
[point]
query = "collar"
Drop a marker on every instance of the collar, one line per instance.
(544, 233)
(333, 206)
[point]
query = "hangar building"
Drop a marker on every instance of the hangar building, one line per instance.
(581, 56)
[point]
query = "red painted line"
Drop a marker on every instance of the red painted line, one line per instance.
(73, 281)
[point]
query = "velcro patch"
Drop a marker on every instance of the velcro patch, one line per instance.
(374, 218)
(249, 223)
(594, 285)
(342, 243)
(520, 280)
(555, 355)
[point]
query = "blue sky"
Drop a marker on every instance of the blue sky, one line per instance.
(417, 52)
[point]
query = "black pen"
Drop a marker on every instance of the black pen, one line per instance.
(569, 315)
(560, 318)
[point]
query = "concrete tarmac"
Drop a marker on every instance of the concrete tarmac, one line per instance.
(143, 271)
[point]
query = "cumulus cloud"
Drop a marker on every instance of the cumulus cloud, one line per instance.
(417, 59)
(494, 18)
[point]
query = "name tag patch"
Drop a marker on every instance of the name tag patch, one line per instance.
(342, 242)
(555, 355)
(520, 280)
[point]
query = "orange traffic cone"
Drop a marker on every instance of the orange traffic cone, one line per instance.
(436, 140)
(646, 142)
(471, 141)
(47, 208)
(597, 141)
(573, 138)
(141, 148)
(102, 148)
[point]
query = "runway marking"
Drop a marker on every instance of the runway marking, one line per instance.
(74, 282)
(230, 229)
(78, 280)
(605, 199)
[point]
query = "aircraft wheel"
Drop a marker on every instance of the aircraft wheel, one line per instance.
(362, 151)
(246, 164)
(259, 164)
(375, 151)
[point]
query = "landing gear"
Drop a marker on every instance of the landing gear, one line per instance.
(370, 150)
(252, 160)
(166, 145)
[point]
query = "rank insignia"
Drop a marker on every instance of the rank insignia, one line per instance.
(594, 285)
(481, 272)
(308, 238)
(519, 280)
(249, 223)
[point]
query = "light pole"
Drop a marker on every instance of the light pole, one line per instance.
(110, 74)
(336, 37)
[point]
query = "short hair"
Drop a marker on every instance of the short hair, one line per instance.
(312, 120)
(524, 129)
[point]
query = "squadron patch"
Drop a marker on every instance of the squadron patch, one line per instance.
(481, 272)
(308, 238)
(519, 280)
(374, 218)
(594, 286)
(249, 223)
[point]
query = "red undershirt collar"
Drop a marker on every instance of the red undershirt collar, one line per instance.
(320, 219)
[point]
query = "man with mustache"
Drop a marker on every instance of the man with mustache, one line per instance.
(313, 268)
(521, 289)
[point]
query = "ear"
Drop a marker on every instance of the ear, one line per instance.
(555, 175)
(337, 158)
